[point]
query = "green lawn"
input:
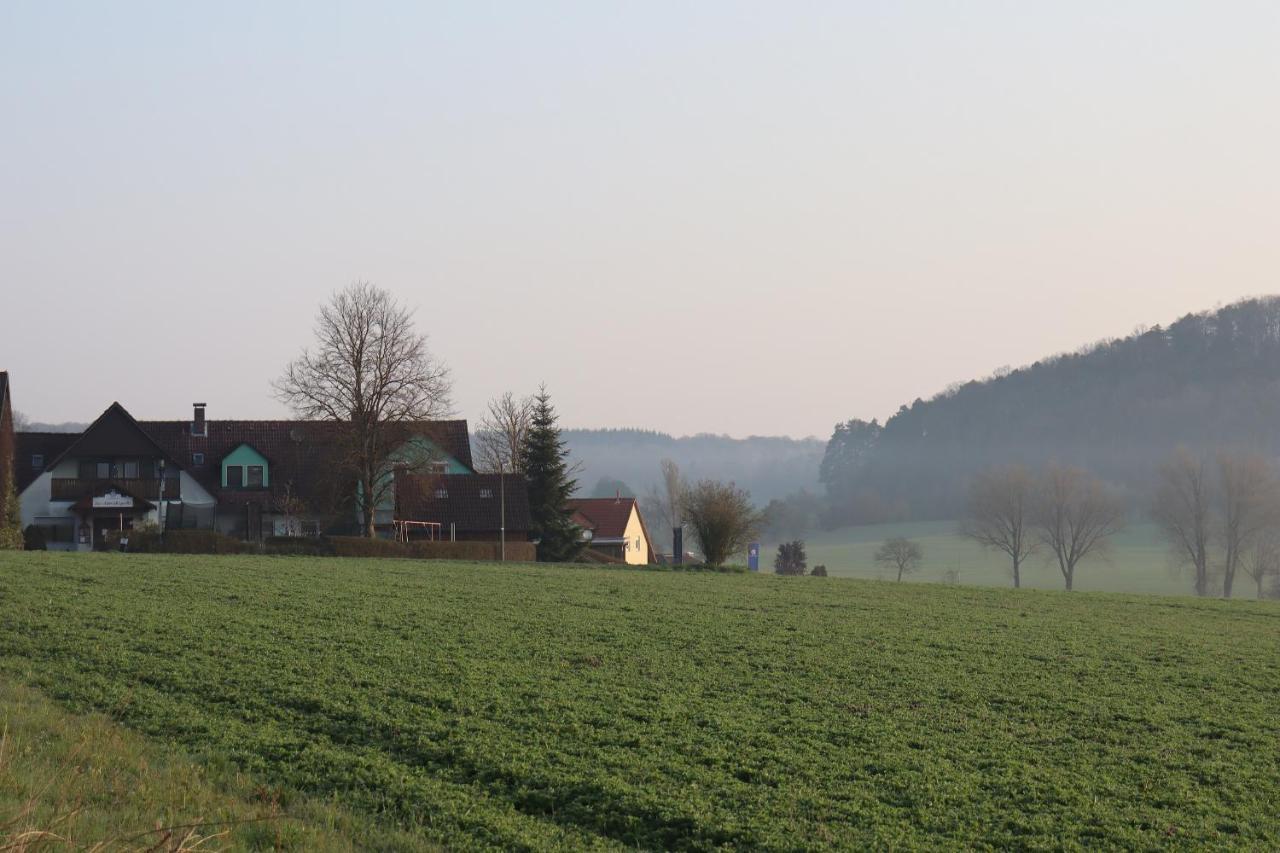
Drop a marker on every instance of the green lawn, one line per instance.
(537, 707)
(1137, 561)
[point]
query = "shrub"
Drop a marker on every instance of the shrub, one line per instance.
(33, 539)
(303, 546)
(819, 571)
(791, 559)
(200, 542)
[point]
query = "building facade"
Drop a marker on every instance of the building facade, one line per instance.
(248, 479)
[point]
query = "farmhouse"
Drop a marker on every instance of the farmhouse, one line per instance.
(614, 527)
(249, 479)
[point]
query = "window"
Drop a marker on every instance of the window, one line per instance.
(442, 494)
(438, 467)
(131, 470)
(310, 528)
(235, 476)
(255, 477)
(486, 493)
(37, 460)
(197, 458)
(104, 470)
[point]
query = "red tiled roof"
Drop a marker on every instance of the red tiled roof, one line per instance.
(606, 518)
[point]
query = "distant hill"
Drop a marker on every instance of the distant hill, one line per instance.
(768, 467)
(1117, 407)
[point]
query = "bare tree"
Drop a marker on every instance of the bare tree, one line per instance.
(900, 554)
(661, 503)
(372, 373)
(501, 433)
(1074, 517)
(1263, 561)
(1247, 495)
(721, 517)
(1183, 509)
(999, 509)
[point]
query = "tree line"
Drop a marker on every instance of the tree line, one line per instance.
(1219, 514)
(1117, 408)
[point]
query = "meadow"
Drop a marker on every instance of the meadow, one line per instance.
(1137, 560)
(543, 707)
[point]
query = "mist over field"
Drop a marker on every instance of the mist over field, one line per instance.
(767, 467)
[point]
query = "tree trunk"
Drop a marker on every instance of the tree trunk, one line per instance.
(899, 574)
(1228, 576)
(1070, 575)
(1017, 577)
(366, 507)
(1259, 580)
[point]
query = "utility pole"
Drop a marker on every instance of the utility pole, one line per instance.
(502, 510)
(160, 501)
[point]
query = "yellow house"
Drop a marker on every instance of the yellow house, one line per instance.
(614, 527)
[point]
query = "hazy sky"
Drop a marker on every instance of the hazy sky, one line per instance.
(724, 217)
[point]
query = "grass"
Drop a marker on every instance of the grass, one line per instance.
(533, 707)
(83, 782)
(1138, 560)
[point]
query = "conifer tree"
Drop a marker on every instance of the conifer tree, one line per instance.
(546, 467)
(10, 514)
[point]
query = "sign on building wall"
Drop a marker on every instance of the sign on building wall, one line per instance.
(113, 500)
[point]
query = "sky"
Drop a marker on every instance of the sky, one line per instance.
(729, 217)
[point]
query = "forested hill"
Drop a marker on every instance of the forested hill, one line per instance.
(1117, 408)
(769, 467)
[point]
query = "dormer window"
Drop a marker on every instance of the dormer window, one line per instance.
(37, 461)
(245, 468)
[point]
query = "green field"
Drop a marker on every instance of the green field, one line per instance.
(533, 707)
(1137, 561)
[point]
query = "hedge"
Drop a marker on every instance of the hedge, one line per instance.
(213, 542)
(357, 546)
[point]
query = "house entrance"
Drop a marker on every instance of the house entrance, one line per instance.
(105, 524)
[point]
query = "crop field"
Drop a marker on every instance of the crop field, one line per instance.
(534, 707)
(1138, 560)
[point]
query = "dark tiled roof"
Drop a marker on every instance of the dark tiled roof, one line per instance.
(471, 502)
(301, 453)
(295, 449)
(49, 445)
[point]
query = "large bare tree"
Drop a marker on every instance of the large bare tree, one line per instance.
(1247, 494)
(999, 514)
(1075, 517)
(900, 554)
(1263, 561)
(371, 372)
(501, 433)
(1183, 509)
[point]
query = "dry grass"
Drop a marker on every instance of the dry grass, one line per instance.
(82, 782)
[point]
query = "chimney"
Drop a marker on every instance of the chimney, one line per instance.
(197, 419)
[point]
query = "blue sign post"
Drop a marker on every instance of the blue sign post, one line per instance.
(753, 556)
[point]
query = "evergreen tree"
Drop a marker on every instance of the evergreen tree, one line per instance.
(546, 467)
(11, 522)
